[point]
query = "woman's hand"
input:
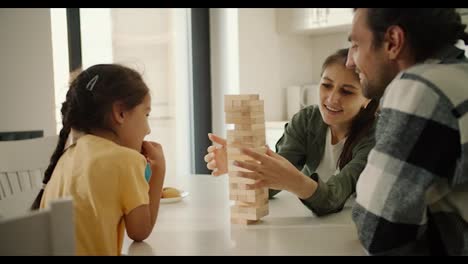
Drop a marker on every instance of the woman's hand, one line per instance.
(274, 171)
(216, 159)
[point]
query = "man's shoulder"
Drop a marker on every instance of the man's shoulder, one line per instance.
(436, 72)
(447, 81)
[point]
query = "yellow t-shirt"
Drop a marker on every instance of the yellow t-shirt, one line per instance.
(106, 181)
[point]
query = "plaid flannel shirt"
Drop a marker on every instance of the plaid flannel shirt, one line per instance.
(412, 197)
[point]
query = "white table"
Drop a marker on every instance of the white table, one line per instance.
(200, 225)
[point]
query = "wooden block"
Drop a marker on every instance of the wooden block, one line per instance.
(253, 192)
(242, 192)
(260, 201)
(242, 209)
(239, 97)
(249, 126)
(246, 139)
(238, 186)
(240, 221)
(232, 168)
(245, 114)
(236, 108)
(253, 103)
(245, 120)
(238, 142)
(247, 199)
(256, 108)
(244, 106)
(230, 150)
(233, 197)
(231, 101)
(233, 155)
(236, 103)
(239, 157)
(250, 214)
(241, 133)
(233, 178)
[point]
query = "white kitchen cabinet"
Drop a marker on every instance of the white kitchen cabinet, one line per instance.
(313, 21)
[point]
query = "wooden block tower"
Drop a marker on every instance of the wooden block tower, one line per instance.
(246, 112)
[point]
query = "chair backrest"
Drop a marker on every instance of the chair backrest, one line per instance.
(48, 231)
(22, 166)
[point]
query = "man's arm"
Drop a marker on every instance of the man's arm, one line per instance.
(417, 145)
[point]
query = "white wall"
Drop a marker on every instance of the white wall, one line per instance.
(224, 44)
(323, 46)
(26, 71)
(259, 59)
(269, 62)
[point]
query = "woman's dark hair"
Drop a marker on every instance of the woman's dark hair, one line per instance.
(89, 101)
(427, 29)
(361, 123)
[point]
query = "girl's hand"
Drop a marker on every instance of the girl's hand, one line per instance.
(216, 158)
(154, 154)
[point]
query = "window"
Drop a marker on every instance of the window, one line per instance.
(152, 41)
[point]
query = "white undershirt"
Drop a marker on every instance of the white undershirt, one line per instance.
(328, 165)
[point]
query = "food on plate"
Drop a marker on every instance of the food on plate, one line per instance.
(170, 192)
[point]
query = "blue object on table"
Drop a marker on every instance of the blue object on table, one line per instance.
(147, 172)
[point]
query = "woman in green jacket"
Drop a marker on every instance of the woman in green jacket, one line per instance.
(324, 147)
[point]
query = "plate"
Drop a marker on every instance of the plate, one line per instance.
(183, 194)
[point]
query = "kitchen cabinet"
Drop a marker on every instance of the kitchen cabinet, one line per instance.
(313, 21)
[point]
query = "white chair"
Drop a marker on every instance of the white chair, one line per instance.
(22, 166)
(45, 232)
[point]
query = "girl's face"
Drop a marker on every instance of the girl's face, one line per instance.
(341, 96)
(134, 126)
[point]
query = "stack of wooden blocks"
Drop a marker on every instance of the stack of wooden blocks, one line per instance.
(246, 112)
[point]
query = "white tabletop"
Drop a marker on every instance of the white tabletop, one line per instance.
(200, 225)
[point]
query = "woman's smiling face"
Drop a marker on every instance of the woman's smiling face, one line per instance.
(341, 96)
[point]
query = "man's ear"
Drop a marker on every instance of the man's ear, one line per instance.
(118, 112)
(395, 40)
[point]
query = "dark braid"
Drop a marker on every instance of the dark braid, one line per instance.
(53, 162)
(86, 109)
(63, 135)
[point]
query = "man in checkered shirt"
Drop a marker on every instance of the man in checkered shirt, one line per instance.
(412, 197)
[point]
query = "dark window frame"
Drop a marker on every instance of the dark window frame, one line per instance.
(74, 39)
(201, 94)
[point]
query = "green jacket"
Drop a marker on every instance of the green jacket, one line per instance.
(303, 144)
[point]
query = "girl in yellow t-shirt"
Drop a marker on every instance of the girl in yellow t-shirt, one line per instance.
(101, 160)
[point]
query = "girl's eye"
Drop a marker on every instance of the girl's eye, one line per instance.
(327, 85)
